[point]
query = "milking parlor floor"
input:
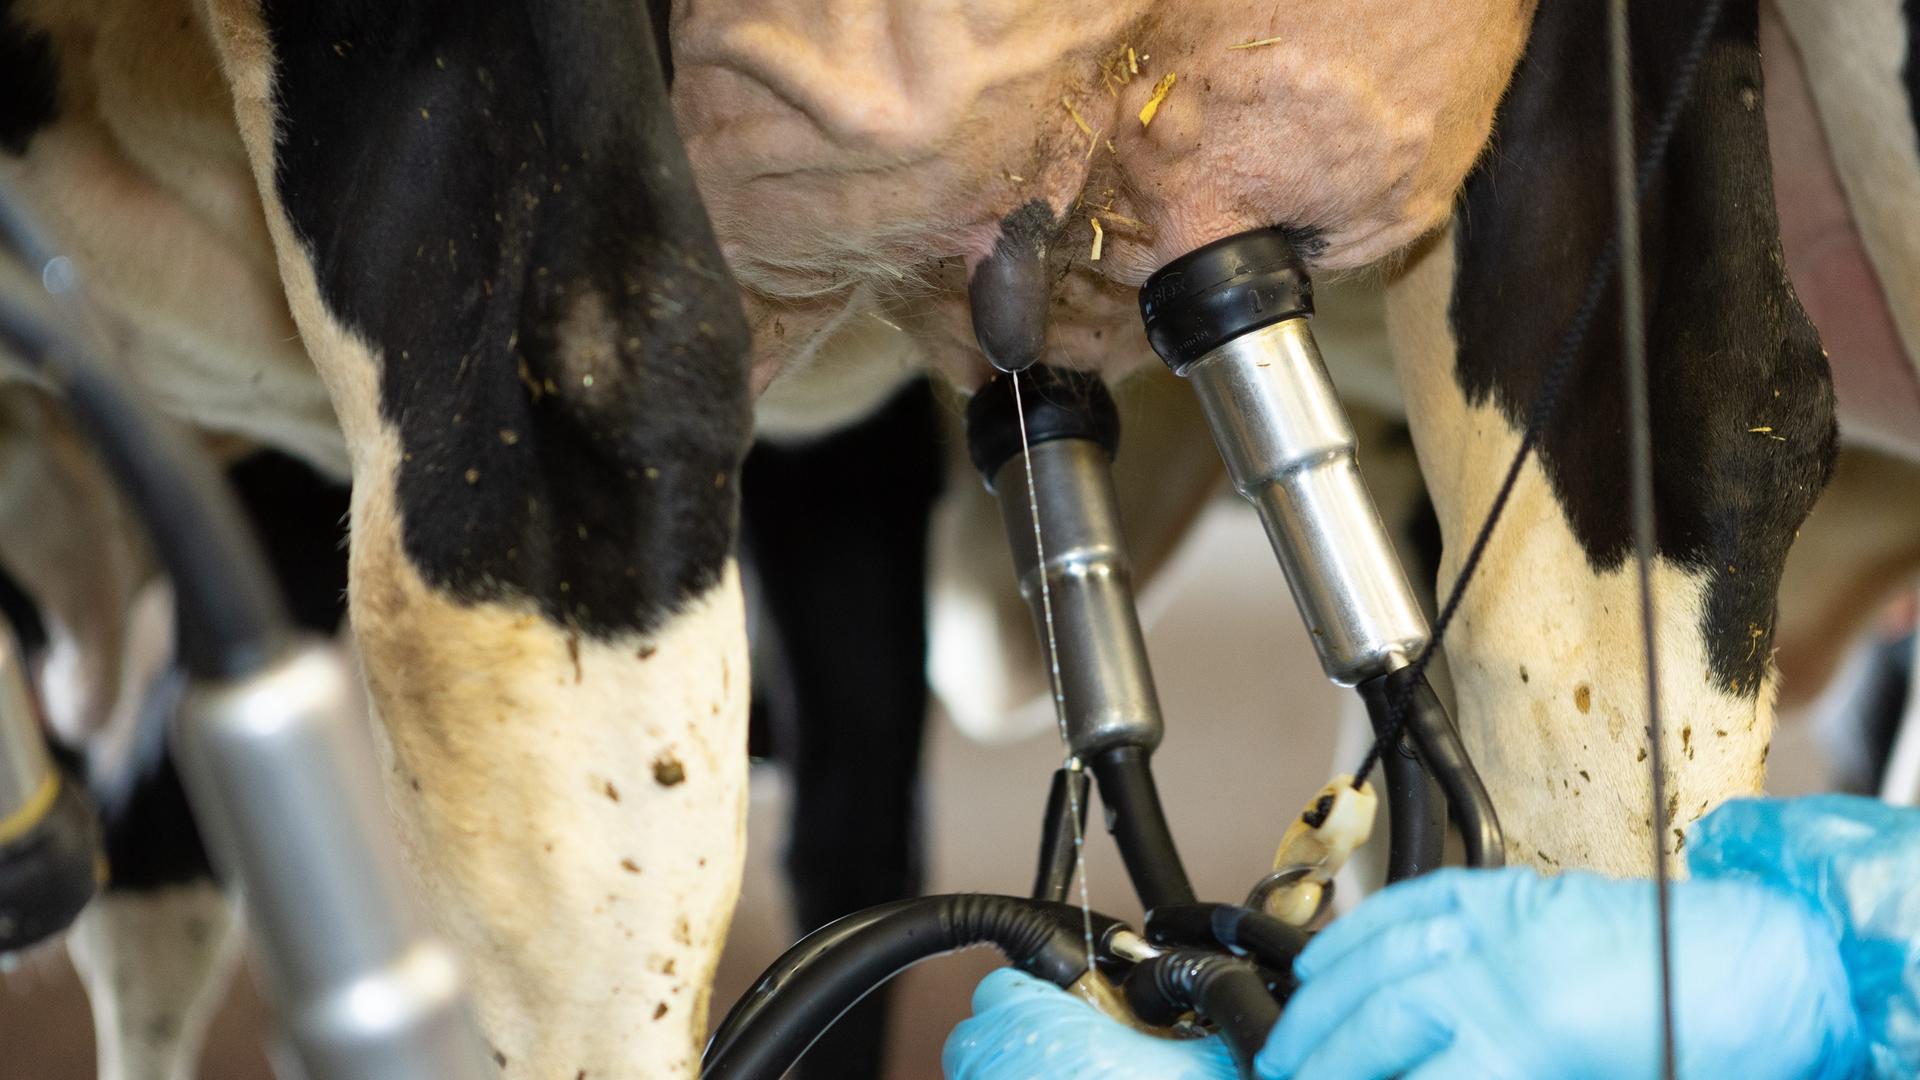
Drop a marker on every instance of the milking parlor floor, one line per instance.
(1249, 719)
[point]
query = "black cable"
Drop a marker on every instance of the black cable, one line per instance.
(1540, 411)
(1139, 827)
(863, 951)
(1225, 991)
(230, 614)
(231, 617)
(1633, 349)
(1057, 856)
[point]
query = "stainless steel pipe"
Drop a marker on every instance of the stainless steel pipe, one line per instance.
(283, 787)
(1106, 683)
(1290, 450)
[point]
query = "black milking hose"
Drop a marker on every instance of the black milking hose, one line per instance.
(1139, 827)
(858, 954)
(803, 954)
(230, 613)
(808, 950)
(1225, 991)
(1417, 810)
(1426, 721)
(1069, 792)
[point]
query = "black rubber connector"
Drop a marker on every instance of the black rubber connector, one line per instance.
(1209, 296)
(1258, 936)
(1060, 404)
(48, 874)
(1225, 991)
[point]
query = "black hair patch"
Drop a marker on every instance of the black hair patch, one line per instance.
(495, 197)
(1741, 397)
(29, 82)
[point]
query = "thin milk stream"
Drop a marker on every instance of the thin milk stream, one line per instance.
(1072, 763)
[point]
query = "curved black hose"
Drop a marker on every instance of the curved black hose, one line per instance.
(1057, 857)
(1417, 818)
(1266, 940)
(804, 953)
(1426, 721)
(864, 950)
(1225, 991)
(231, 617)
(808, 951)
(1139, 827)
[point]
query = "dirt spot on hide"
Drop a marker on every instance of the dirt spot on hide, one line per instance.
(660, 1010)
(573, 654)
(1523, 674)
(500, 1059)
(646, 651)
(629, 866)
(667, 770)
(612, 792)
(1583, 697)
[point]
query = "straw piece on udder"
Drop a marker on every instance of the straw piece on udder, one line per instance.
(1099, 239)
(1075, 113)
(1152, 106)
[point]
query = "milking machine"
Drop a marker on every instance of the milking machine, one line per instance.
(280, 781)
(1232, 319)
(50, 860)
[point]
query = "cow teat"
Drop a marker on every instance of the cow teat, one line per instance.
(1008, 291)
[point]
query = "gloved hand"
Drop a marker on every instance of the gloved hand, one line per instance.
(1024, 1027)
(1858, 862)
(1506, 975)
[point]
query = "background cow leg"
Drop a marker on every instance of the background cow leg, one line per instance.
(837, 528)
(157, 964)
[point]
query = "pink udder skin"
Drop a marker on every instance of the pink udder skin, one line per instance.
(854, 148)
(1873, 378)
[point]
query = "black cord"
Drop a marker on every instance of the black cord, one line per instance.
(1633, 338)
(232, 621)
(1540, 412)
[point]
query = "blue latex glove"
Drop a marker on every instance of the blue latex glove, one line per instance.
(1858, 862)
(1506, 975)
(1023, 1027)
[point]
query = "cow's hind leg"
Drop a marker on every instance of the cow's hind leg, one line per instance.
(1545, 652)
(157, 963)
